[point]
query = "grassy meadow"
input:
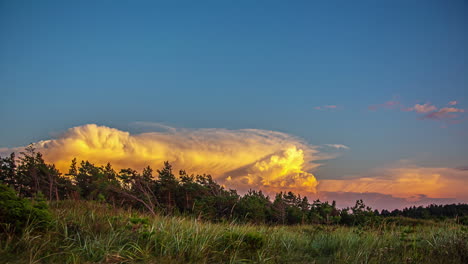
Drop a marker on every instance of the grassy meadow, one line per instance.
(92, 232)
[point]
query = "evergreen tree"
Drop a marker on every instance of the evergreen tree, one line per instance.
(167, 186)
(8, 171)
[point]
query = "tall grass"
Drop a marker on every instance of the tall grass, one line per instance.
(88, 232)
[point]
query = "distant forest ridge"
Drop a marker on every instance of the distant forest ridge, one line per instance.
(164, 192)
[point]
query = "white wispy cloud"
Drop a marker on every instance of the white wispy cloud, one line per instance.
(337, 146)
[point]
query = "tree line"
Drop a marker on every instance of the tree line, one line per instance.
(164, 192)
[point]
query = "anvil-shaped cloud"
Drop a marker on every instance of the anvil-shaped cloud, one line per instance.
(241, 159)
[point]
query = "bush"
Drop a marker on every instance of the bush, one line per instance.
(463, 220)
(248, 242)
(16, 213)
(254, 241)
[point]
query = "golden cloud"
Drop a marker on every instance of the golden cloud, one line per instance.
(241, 159)
(408, 182)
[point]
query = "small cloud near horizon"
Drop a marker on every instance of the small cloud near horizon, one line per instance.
(400, 185)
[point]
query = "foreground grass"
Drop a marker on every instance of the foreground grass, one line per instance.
(86, 232)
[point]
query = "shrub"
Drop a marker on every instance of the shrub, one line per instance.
(463, 220)
(250, 241)
(254, 241)
(16, 212)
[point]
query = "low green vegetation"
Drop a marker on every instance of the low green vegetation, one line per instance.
(93, 232)
(94, 214)
(17, 213)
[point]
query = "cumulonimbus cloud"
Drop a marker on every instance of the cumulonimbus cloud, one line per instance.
(241, 159)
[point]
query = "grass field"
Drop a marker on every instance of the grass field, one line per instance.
(89, 232)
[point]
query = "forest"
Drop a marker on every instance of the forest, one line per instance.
(37, 198)
(163, 192)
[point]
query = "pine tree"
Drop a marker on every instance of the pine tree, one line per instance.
(168, 187)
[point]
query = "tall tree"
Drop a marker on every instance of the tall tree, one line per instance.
(8, 171)
(279, 208)
(168, 187)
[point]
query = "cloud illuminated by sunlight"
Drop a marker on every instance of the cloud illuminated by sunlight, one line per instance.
(405, 182)
(240, 159)
(444, 113)
(422, 108)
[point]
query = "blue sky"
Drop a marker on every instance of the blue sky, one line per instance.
(243, 64)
